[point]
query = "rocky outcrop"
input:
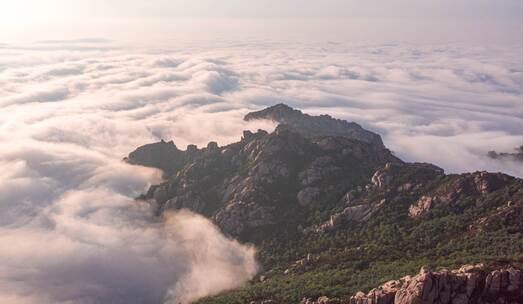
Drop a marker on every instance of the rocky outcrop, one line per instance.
(162, 155)
(313, 126)
(359, 213)
(422, 206)
(458, 187)
(310, 167)
(404, 176)
(339, 195)
(264, 179)
(506, 215)
(471, 284)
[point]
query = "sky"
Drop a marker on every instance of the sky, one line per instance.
(439, 20)
(484, 10)
(83, 83)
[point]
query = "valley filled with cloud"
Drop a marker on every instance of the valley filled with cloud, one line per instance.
(70, 111)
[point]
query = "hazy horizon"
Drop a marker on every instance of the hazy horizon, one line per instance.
(479, 21)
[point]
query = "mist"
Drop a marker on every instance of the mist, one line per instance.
(71, 230)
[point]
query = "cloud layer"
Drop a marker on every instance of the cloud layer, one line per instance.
(70, 231)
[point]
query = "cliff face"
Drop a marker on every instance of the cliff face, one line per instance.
(329, 207)
(264, 180)
(307, 165)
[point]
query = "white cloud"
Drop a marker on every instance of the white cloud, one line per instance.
(69, 227)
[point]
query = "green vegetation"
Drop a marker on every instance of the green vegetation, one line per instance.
(390, 245)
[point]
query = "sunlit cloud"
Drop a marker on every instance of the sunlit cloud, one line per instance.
(71, 110)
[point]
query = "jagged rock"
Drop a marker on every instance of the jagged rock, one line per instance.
(511, 212)
(382, 295)
(467, 185)
(381, 178)
(284, 178)
(413, 173)
(473, 184)
(359, 213)
(421, 206)
(313, 126)
(162, 155)
(268, 173)
(239, 216)
(467, 285)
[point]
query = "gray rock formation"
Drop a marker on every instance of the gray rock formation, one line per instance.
(466, 185)
(311, 175)
(262, 181)
(312, 126)
(162, 155)
(471, 284)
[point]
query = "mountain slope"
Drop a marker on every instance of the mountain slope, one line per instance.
(332, 211)
(264, 182)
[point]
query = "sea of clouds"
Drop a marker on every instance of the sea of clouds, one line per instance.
(70, 229)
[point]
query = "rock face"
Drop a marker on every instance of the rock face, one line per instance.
(421, 206)
(463, 186)
(312, 126)
(265, 179)
(471, 284)
(330, 190)
(275, 183)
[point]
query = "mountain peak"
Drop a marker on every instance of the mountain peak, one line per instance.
(313, 126)
(277, 112)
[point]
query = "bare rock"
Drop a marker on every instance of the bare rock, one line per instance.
(313, 126)
(162, 155)
(421, 206)
(381, 178)
(237, 217)
(470, 284)
(382, 295)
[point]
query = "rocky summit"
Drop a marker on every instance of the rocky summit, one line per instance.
(313, 126)
(333, 212)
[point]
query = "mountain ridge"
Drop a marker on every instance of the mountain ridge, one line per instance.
(324, 203)
(312, 126)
